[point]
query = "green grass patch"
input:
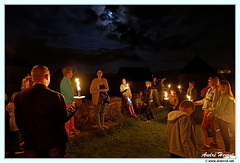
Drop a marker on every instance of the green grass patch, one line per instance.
(132, 139)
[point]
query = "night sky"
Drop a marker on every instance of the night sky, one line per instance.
(88, 37)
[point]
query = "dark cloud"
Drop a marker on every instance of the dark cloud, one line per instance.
(98, 34)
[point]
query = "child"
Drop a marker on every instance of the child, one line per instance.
(180, 131)
(147, 99)
(127, 96)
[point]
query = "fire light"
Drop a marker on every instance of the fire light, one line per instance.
(78, 86)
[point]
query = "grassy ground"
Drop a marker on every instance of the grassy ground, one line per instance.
(132, 139)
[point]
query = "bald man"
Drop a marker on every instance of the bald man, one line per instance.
(41, 114)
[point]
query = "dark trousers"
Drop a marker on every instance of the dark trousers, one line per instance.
(223, 126)
(56, 152)
(148, 112)
(175, 156)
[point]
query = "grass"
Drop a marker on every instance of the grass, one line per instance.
(132, 139)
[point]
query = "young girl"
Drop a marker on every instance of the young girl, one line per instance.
(147, 99)
(224, 112)
(127, 96)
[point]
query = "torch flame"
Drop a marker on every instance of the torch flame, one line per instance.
(78, 84)
(189, 98)
(165, 94)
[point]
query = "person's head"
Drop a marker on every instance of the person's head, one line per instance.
(27, 82)
(154, 79)
(148, 84)
(124, 81)
(40, 75)
(99, 73)
(213, 81)
(187, 106)
(225, 88)
(67, 72)
(191, 84)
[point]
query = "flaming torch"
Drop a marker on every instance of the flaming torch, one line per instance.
(166, 96)
(189, 98)
(179, 87)
(169, 86)
(78, 87)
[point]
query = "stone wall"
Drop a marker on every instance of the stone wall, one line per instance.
(115, 111)
(85, 116)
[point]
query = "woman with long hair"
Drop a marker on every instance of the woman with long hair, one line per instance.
(98, 89)
(224, 112)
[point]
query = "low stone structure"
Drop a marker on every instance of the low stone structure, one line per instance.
(115, 111)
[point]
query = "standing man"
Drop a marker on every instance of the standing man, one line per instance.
(68, 90)
(192, 91)
(210, 101)
(41, 114)
(181, 132)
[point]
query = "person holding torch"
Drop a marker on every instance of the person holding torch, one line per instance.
(68, 90)
(127, 96)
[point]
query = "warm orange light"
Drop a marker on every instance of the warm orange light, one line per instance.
(78, 84)
(189, 98)
(165, 95)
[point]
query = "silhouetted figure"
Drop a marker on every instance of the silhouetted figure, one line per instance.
(40, 115)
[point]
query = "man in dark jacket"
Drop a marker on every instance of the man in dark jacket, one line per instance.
(41, 114)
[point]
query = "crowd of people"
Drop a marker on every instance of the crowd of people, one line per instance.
(41, 119)
(218, 107)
